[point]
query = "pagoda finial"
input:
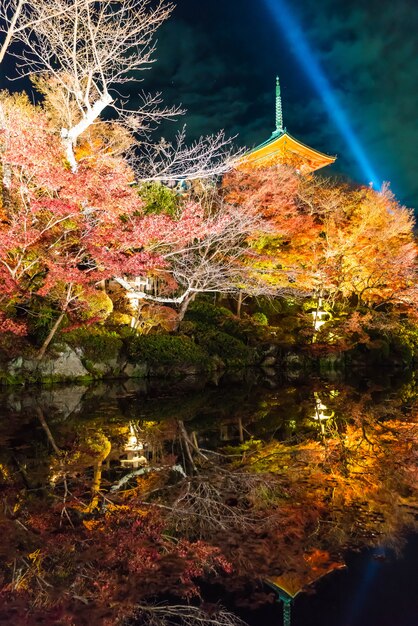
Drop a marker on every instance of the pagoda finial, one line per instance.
(279, 112)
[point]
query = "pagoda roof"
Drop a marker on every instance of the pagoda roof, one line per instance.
(282, 147)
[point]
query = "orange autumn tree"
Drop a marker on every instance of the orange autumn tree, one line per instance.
(289, 229)
(330, 240)
(366, 244)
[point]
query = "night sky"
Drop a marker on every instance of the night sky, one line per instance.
(219, 58)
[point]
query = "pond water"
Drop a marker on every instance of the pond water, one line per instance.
(287, 501)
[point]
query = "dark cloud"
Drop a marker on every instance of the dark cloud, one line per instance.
(220, 59)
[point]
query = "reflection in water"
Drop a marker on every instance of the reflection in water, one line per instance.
(365, 582)
(321, 414)
(117, 498)
(292, 583)
(134, 449)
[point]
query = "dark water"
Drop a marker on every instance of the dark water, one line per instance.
(370, 591)
(343, 458)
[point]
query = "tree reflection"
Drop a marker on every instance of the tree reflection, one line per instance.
(305, 474)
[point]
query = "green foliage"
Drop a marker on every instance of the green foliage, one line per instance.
(97, 343)
(249, 446)
(159, 199)
(208, 313)
(284, 322)
(271, 308)
(41, 316)
(243, 329)
(260, 318)
(97, 305)
(165, 350)
(404, 341)
(231, 350)
(207, 316)
(188, 328)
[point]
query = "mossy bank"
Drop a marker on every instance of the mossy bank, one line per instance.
(210, 339)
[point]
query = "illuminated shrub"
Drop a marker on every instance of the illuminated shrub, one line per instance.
(231, 350)
(165, 350)
(260, 318)
(207, 313)
(98, 344)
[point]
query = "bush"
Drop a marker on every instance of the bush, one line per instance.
(158, 199)
(165, 350)
(231, 350)
(243, 329)
(97, 305)
(271, 307)
(207, 313)
(260, 318)
(404, 341)
(188, 328)
(119, 320)
(206, 316)
(98, 344)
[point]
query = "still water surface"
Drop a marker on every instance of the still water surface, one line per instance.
(316, 493)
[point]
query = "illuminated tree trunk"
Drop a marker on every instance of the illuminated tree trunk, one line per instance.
(240, 430)
(70, 136)
(185, 305)
(51, 335)
(239, 304)
(97, 476)
(11, 29)
(54, 329)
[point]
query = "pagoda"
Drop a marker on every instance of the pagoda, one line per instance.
(281, 147)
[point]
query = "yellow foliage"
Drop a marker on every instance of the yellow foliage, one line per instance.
(35, 556)
(93, 525)
(97, 304)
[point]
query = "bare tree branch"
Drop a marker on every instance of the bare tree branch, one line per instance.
(214, 262)
(175, 161)
(185, 615)
(90, 49)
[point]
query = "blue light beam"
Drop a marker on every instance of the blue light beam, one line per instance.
(303, 52)
(356, 603)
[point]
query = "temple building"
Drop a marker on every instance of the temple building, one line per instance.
(281, 147)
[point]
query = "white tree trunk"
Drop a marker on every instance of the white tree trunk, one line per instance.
(11, 29)
(71, 135)
(142, 295)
